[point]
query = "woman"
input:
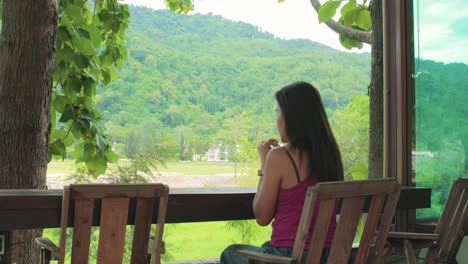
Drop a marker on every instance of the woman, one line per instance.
(310, 155)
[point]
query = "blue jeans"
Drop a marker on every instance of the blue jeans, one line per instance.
(229, 255)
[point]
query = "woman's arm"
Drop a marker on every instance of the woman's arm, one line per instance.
(264, 204)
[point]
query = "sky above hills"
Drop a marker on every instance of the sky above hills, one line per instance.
(442, 25)
(290, 19)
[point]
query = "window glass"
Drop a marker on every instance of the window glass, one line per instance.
(440, 149)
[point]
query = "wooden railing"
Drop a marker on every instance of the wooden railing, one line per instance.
(27, 209)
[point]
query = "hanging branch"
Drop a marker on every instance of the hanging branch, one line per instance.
(362, 36)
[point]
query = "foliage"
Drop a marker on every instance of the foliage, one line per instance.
(441, 129)
(351, 129)
(204, 80)
(352, 14)
(245, 228)
(90, 46)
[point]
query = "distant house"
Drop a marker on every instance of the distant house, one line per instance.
(216, 153)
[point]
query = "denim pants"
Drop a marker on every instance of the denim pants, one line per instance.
(229, 255)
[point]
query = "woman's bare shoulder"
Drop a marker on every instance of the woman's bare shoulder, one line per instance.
(277, 154)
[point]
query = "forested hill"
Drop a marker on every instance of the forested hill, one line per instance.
(201, 75)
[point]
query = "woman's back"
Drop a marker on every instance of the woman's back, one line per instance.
(296, 178)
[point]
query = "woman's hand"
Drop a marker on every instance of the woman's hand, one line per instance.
(265, 147)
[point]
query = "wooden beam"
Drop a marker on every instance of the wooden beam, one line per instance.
(24, 209)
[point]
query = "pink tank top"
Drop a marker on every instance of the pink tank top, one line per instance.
(288, 214)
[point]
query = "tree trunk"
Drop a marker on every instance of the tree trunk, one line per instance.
(27, 57)
(376, 93)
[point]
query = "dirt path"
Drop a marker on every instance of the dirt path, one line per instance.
(174, 180)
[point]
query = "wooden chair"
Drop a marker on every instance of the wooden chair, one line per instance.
(383, 195)
(114, 201)
(444, 243)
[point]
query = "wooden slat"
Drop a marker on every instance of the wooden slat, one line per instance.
(409, 252)
(320, 230)
(385, 224)
(455, 225)
(114, 214)
(127, 190)
(463, 232)
(64, 224)
(444, 221)
(444, 227)
(413, 236)
(450, 205)
(346, 229)
(304, 222)
(372, 221)
(144, 212)
(330, 190)
(163, 200)
(82, 230)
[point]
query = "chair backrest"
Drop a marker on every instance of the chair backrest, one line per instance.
(452, 226)
(114, 200)
(353, 195)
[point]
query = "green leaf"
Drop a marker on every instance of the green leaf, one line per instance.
(95, 35)
(84, 45)
(85, 101)
(90, 75)
(350, 43)
(83, 33)
(97, 165)
(364, 20)
(79, 152)
(59, 103)
(56, 133)
(73, 11)
(73, 85)
(106, 78)
(58, 148)
(89, 88)
(350, 17)
(348, 7)
(67, 114)
(111, 156)
(88, 151)
(81, 61)
(328, 10)
(101, 142)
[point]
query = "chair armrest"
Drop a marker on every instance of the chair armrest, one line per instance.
(265, 258)
(412, 236)
(48, 245)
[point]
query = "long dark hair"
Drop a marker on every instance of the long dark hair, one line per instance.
(308, 129)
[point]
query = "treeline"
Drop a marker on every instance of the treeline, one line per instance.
(198, 80)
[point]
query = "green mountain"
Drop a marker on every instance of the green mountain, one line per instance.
(203, 79)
